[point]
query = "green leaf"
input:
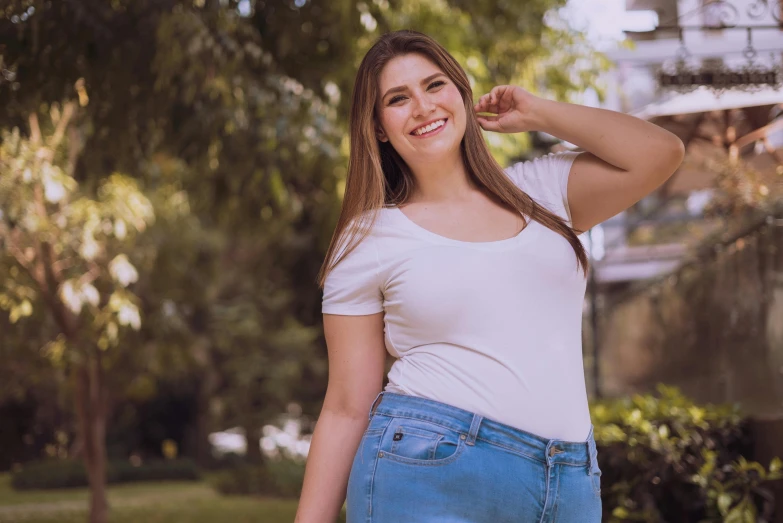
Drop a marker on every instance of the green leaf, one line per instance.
(620, 512)
(744, 512)
(20, 311)
(724, 503)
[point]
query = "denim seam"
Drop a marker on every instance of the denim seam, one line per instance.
(372, 476)
(596, 478)
(425, 462)
(427, 419)
(423, 433)
(548, 469)
(557, 495)
(519, 453)
(511, 449)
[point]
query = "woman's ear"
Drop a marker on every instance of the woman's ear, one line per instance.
(381, 135)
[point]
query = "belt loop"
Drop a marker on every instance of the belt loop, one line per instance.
(590, 443)
(372, 407)
(474, 428)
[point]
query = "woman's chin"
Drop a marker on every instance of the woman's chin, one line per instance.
(439, 155)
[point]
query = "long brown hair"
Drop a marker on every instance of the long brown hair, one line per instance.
(378, 176)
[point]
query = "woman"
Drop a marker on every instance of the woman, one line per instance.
(473, 279)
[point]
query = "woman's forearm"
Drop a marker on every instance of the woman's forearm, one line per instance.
(335, 441)
(619, 139)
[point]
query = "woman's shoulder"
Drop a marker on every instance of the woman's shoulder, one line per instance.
(375, 221)
(545, 179)
(376, 230)
(542, 171)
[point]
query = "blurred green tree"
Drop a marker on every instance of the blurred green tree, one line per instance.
(71, 249)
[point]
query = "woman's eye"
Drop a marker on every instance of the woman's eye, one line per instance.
(436, 83)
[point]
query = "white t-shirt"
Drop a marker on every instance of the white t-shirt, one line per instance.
(490, 327)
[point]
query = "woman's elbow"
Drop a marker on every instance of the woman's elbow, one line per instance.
(669, 157)
(678, 151)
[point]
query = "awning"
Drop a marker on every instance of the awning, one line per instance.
(703, 100)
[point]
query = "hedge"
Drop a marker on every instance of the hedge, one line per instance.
(71, 473)
(665, 458)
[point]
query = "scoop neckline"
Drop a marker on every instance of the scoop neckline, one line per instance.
(523, 236)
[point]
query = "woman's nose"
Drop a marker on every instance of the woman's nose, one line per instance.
(423, 105)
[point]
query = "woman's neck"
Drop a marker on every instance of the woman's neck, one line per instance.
(441, 181)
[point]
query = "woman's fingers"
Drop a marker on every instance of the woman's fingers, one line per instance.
(487, 104)
(489, 123)
(489, 119)
(491, 102)
(499, 102)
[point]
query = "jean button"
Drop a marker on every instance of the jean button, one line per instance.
(462, 436)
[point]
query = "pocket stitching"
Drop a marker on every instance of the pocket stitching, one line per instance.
(433, 436)
(424, 433)
(427, 462)
(421, 419)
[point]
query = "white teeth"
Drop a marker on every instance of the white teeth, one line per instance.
(428, 128)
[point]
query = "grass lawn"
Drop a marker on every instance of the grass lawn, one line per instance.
(163, 502)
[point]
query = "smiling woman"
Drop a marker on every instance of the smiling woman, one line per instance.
(472, 277)
(411, 115)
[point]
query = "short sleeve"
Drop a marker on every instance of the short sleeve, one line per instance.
(545, 179)
(352, 287)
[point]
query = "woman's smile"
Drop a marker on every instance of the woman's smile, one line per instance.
(431, 129)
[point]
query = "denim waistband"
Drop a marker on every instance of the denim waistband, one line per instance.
(476, 427)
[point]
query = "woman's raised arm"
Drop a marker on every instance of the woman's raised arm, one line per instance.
(626, 158)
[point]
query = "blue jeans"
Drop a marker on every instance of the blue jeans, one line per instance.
(425, 461)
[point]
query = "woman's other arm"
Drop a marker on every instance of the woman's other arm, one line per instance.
(357, 355)
(626, 158)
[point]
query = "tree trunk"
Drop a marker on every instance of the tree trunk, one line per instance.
(200, 432)
(252, 435)
(91, 407)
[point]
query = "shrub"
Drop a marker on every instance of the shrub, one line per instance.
(223, 461)
(49, 475)
(70, 473)
(665, 458)
(276, 477)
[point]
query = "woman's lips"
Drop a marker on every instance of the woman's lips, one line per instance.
(432, 133)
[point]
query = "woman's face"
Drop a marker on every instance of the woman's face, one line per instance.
(416, 96)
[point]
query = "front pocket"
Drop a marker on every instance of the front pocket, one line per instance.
(416, 441)
(415, 444)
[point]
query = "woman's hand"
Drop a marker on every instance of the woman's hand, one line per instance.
(513, 107)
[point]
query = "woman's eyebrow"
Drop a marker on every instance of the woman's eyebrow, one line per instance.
(403, 88)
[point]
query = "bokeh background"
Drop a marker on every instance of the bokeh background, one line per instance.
(170, 175)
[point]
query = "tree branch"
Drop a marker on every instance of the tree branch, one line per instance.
(69, 110)
(24, 261)
(91, 275)
(35, 129)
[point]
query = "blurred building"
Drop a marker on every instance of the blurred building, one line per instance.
(712, 325)
(651, 238)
